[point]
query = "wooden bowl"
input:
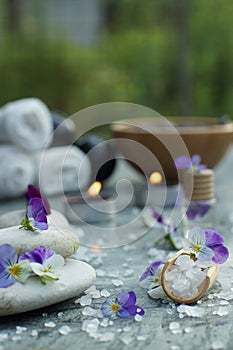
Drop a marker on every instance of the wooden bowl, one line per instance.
(211, 276)
(204, 136)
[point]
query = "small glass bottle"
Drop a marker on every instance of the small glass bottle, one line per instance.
(198, 208)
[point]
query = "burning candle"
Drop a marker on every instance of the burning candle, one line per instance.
(89, 207)
(155, 192)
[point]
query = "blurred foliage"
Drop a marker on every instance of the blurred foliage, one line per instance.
(139, 58)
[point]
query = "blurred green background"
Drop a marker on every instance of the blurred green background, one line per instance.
(174, 56)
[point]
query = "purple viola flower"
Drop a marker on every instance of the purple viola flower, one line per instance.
(206, 244)
(194, 163)
(12, 270)
(122, 306)
(38, 255)
(197, 209)
(216, 242)
(36, 213)
(33, 192)
(151, 277)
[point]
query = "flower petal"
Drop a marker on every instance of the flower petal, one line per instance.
(213, 238)
(25, 271)
(55, 264)
(39, 254)
(34, 192)
(6, 279)
(205, 254)
(221, 254)
(35, 207)
(183, 162)
(200, 168)
(41, 221)
(146, 282)
(37, 269)
(135, 310)
(106, 308)
(126, 299)
(123, 313)
(197, 236)
(150, 270)
(8, 255)
(196, 159)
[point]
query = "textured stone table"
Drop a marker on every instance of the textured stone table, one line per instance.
(118, 270)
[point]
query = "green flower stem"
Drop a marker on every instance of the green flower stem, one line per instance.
(25, 223)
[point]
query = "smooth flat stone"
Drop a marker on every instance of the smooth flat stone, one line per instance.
(77, 276)
(58, 237)
(13, 218)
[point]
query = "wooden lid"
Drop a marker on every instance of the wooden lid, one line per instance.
(203, 185)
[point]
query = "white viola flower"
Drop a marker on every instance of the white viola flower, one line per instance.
(51, 269)
(196, 244)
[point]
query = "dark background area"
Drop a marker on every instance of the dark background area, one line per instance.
(174, 56)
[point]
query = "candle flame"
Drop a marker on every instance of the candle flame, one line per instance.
(94, 189)
(155, 178)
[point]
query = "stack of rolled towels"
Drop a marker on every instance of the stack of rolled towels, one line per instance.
(27, 154)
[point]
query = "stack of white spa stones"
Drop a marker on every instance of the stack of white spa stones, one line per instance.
(27, 154)
(185, 277)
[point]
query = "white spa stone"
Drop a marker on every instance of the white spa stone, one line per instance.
(76, 277)
(59, 236)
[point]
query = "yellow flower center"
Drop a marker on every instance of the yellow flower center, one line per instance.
(156, 280)
(115, 307)
(46, 270)
(197, 248)
(15, 270)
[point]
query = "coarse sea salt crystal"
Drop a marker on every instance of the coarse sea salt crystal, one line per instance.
(126, 339)
(117, 283)
(222, 311)
(50, 324)
(20, 329)
(192, 311)
(217, 345)
(104, 293)
(138, 318)
(89, 311)
(64, 330)
(184, 279)
(34, 333)
(175, 327)
(85, 300)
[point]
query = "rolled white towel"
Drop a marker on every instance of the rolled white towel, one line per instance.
(62, 169)
(16, 171)
(26, 123)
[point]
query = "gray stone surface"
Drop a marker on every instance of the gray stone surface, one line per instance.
(207, 325)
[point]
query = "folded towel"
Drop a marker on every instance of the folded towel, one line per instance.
(16, 171)
(26, 123)
(62, 169)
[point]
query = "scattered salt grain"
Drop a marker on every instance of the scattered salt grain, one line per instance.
(138, 318)
(34, 333)
(222, 311)
(104, 293)
(128, 272)
(224, 295)
(104, 323)
(96, 294)
(224, 302)
(20, 329)
(217, 345)
(64, 330)
(175, 347)
(175, 327)
(141, 338)
(50, 324)
(85, 300)
(111, 323)
(188, 330)
(60, 314)
(44, 314)
(192, 311)
(117, 283)
(89, 311)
